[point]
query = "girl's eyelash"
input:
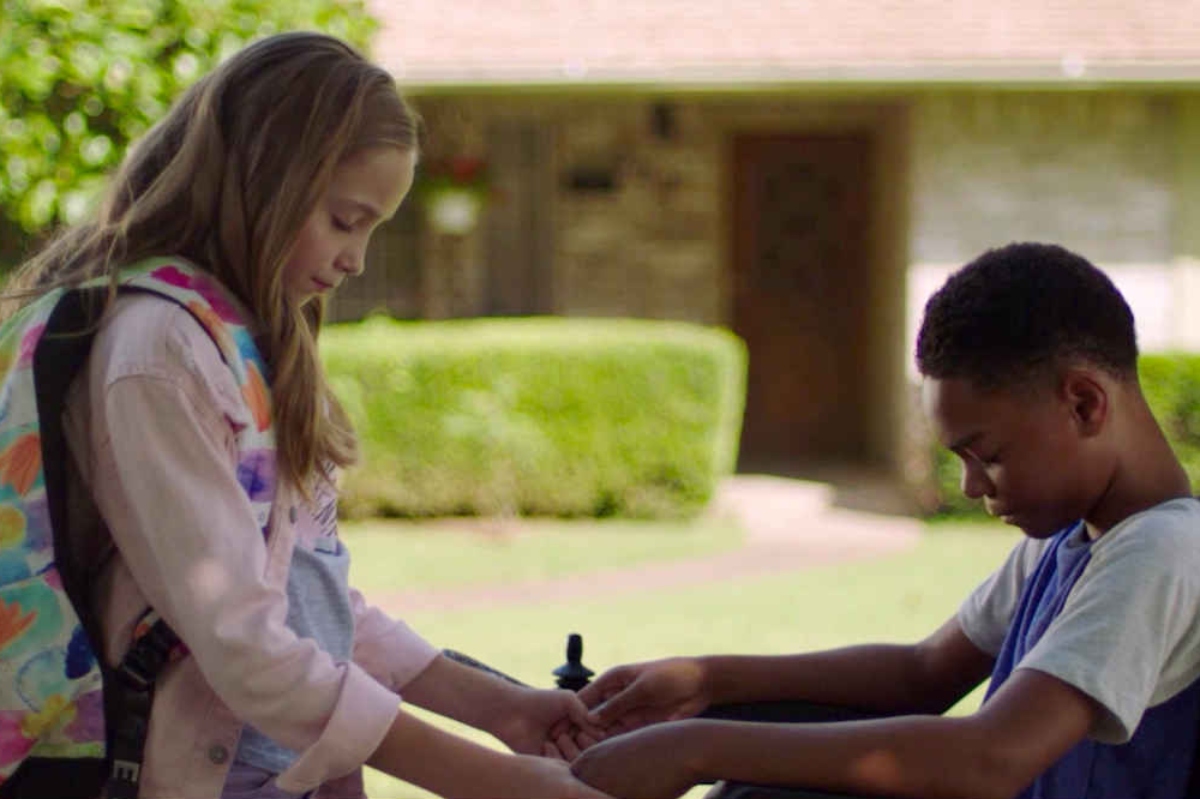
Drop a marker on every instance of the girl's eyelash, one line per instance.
(342, 226)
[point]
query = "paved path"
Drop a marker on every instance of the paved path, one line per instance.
(790, 525)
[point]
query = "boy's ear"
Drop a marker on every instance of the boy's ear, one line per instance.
(1087, 400)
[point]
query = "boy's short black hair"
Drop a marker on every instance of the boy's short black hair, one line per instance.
(1017, 312)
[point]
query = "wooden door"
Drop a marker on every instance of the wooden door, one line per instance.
(801, 258)
(519, 235)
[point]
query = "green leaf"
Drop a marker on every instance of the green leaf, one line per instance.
(81, 79)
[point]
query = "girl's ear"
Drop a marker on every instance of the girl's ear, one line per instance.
(1086, 397)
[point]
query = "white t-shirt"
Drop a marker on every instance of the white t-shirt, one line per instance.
(1128, 634)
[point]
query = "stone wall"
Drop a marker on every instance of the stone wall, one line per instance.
(639, 200)
(1101, 173)
(1093, 171)
(650, 244)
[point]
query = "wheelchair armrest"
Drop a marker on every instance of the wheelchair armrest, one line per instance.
(795, 711)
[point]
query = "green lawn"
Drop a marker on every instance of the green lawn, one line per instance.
(894, 598)
(392, 555)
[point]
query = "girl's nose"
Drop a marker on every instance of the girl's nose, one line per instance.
(352, 263)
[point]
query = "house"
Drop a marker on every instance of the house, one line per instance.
(802, 172)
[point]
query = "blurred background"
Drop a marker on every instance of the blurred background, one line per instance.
(801, 173)
(767, 191)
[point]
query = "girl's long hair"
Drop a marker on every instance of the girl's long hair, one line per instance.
(227, 180)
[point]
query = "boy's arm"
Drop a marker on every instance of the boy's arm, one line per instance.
(927, 677)
(1030, 723)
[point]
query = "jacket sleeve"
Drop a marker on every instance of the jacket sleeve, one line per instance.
(388, 649)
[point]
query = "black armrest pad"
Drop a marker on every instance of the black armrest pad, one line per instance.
(737, 790)
(789, 711)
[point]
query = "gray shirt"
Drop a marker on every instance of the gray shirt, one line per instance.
(318, 608)
(1128, 634)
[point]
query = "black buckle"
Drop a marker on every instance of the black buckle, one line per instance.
(148, 656)
(133, 692)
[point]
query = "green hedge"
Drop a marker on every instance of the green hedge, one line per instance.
(541, 416)
(1171, 383)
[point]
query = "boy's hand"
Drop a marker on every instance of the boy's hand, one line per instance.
(557, 782)
(632, 696)
(646, 764)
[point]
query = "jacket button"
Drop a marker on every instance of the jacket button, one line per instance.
(292, 514)
(217, 754)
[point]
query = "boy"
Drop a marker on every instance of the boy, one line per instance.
(1029, 366)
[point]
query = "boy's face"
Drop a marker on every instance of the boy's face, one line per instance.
(1022, 451)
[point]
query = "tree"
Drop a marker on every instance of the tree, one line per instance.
(81, 79)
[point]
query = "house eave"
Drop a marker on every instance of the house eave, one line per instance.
(1064, 74)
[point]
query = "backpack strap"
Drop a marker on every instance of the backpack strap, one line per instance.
(129, 698)
(58, 358)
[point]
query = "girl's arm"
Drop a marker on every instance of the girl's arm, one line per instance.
(424, 755)
(401, 659)
(521, 717)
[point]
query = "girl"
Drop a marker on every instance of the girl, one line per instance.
(264, 184)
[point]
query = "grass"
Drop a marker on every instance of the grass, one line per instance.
(391, 555)
(899, 597)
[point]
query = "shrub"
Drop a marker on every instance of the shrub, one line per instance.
(1171, 383)
(546, 416)
(81, 79)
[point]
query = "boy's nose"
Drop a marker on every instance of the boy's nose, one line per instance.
(975, 484)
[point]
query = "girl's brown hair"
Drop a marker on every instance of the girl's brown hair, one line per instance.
(227, 179)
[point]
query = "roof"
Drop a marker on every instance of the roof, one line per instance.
(732, 42)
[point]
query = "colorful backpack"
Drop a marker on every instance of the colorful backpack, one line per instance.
(69, 724)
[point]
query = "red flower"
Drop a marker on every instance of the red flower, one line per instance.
(13, 621)
(21, 462)
(464, 169)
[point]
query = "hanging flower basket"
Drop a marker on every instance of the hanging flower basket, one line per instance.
(453, 192)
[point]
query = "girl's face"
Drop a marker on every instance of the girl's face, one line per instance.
(366, 190)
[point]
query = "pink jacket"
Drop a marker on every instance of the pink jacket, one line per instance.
(151, 424)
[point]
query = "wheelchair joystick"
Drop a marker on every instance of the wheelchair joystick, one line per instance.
(573, 675)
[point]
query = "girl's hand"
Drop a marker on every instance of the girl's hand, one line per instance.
(537, 720)
(651, 763)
